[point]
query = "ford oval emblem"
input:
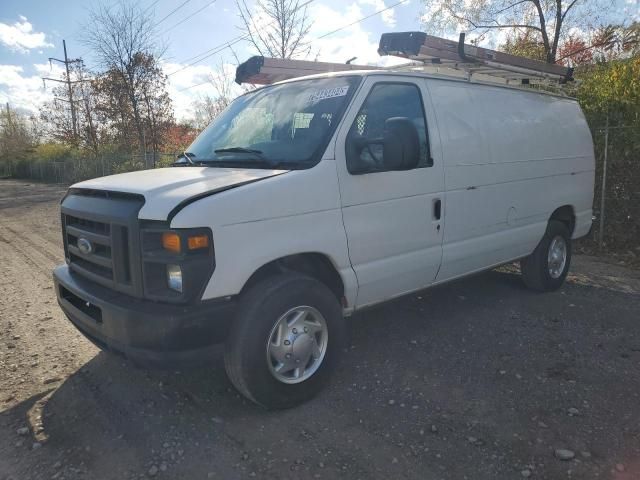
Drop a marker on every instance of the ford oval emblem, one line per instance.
(85, 246)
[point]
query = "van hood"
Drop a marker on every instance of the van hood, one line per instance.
(168, 189)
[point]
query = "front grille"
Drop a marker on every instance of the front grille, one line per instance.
(100, 261)
(100, 238)
(99, 228)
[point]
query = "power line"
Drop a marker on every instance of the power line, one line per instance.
(151, 6)
(222, 46)
(192, 86)
(193, 14)
(362, 19)
(172, 12)
(213, 51)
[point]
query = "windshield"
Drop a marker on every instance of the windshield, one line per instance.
(281, 126)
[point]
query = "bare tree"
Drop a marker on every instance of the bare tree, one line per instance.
(208, 107)
(225, 90)
(55, 116)
(123, 39)
(276, 28)
(548, 21)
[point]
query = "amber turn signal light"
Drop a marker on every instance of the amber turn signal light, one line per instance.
(171, 242)
(198, 241)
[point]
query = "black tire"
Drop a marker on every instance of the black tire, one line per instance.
(245, 349)
(535, 267)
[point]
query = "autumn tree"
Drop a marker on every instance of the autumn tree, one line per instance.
(276, 28)
(615, 41)
(574, 51)
(123, 40)
(545, 22)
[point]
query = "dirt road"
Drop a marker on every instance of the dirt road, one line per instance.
(479, 379)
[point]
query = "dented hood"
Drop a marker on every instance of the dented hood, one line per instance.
(167, 189)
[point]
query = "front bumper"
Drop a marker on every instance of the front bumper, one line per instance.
(147, 332)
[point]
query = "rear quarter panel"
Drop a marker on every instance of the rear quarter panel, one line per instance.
(511, 159)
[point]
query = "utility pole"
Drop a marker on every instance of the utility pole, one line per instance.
(8, 116)
(68, 81)
(604, 182)
(73, 107)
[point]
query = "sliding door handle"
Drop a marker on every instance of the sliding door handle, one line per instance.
(437, 209)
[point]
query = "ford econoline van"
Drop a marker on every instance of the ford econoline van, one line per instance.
(310, 199)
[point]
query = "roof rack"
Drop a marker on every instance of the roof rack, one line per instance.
(265, 71)
(475, 63)
(427, 54)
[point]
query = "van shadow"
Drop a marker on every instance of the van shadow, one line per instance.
(441, 352)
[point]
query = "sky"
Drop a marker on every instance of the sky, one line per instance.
(31, 31)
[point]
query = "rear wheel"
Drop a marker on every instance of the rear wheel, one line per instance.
(285, 341)
(546, 268)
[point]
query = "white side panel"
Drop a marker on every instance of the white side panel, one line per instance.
(297, 212)
(511, 159)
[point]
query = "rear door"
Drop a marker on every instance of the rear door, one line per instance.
(393, 219)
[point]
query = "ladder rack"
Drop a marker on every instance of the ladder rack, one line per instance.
(427, 54)
(265, 71)
(474, 62)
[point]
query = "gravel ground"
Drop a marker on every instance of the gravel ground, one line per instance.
(479, 379)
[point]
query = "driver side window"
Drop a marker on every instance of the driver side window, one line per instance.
(385, 100)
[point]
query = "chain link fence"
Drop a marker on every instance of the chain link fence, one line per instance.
(616, 206)
(72, 170)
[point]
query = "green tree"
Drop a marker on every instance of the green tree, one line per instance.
(17, 137)
(526, 44)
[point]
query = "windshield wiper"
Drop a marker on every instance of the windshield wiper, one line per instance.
(187, 156)
(238, 150)
(253, 163)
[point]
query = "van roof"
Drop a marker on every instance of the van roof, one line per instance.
(449, 75)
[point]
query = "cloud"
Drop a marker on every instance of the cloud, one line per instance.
(25, 91)
(388, 16)
(21, 37)
(352, 41)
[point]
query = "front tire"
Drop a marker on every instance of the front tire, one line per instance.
(546, 268)
(285, 341)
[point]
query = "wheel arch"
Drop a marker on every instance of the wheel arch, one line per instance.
(314, 264)
(567, 215)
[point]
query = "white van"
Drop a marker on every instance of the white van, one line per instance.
(308, 200)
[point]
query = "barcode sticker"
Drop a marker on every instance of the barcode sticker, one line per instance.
(328, 93)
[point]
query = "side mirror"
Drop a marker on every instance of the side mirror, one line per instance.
(400, 144)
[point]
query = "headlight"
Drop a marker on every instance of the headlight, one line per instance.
(174, 277)
(177, 263)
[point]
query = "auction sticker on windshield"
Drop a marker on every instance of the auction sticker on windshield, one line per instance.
(328, 93)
